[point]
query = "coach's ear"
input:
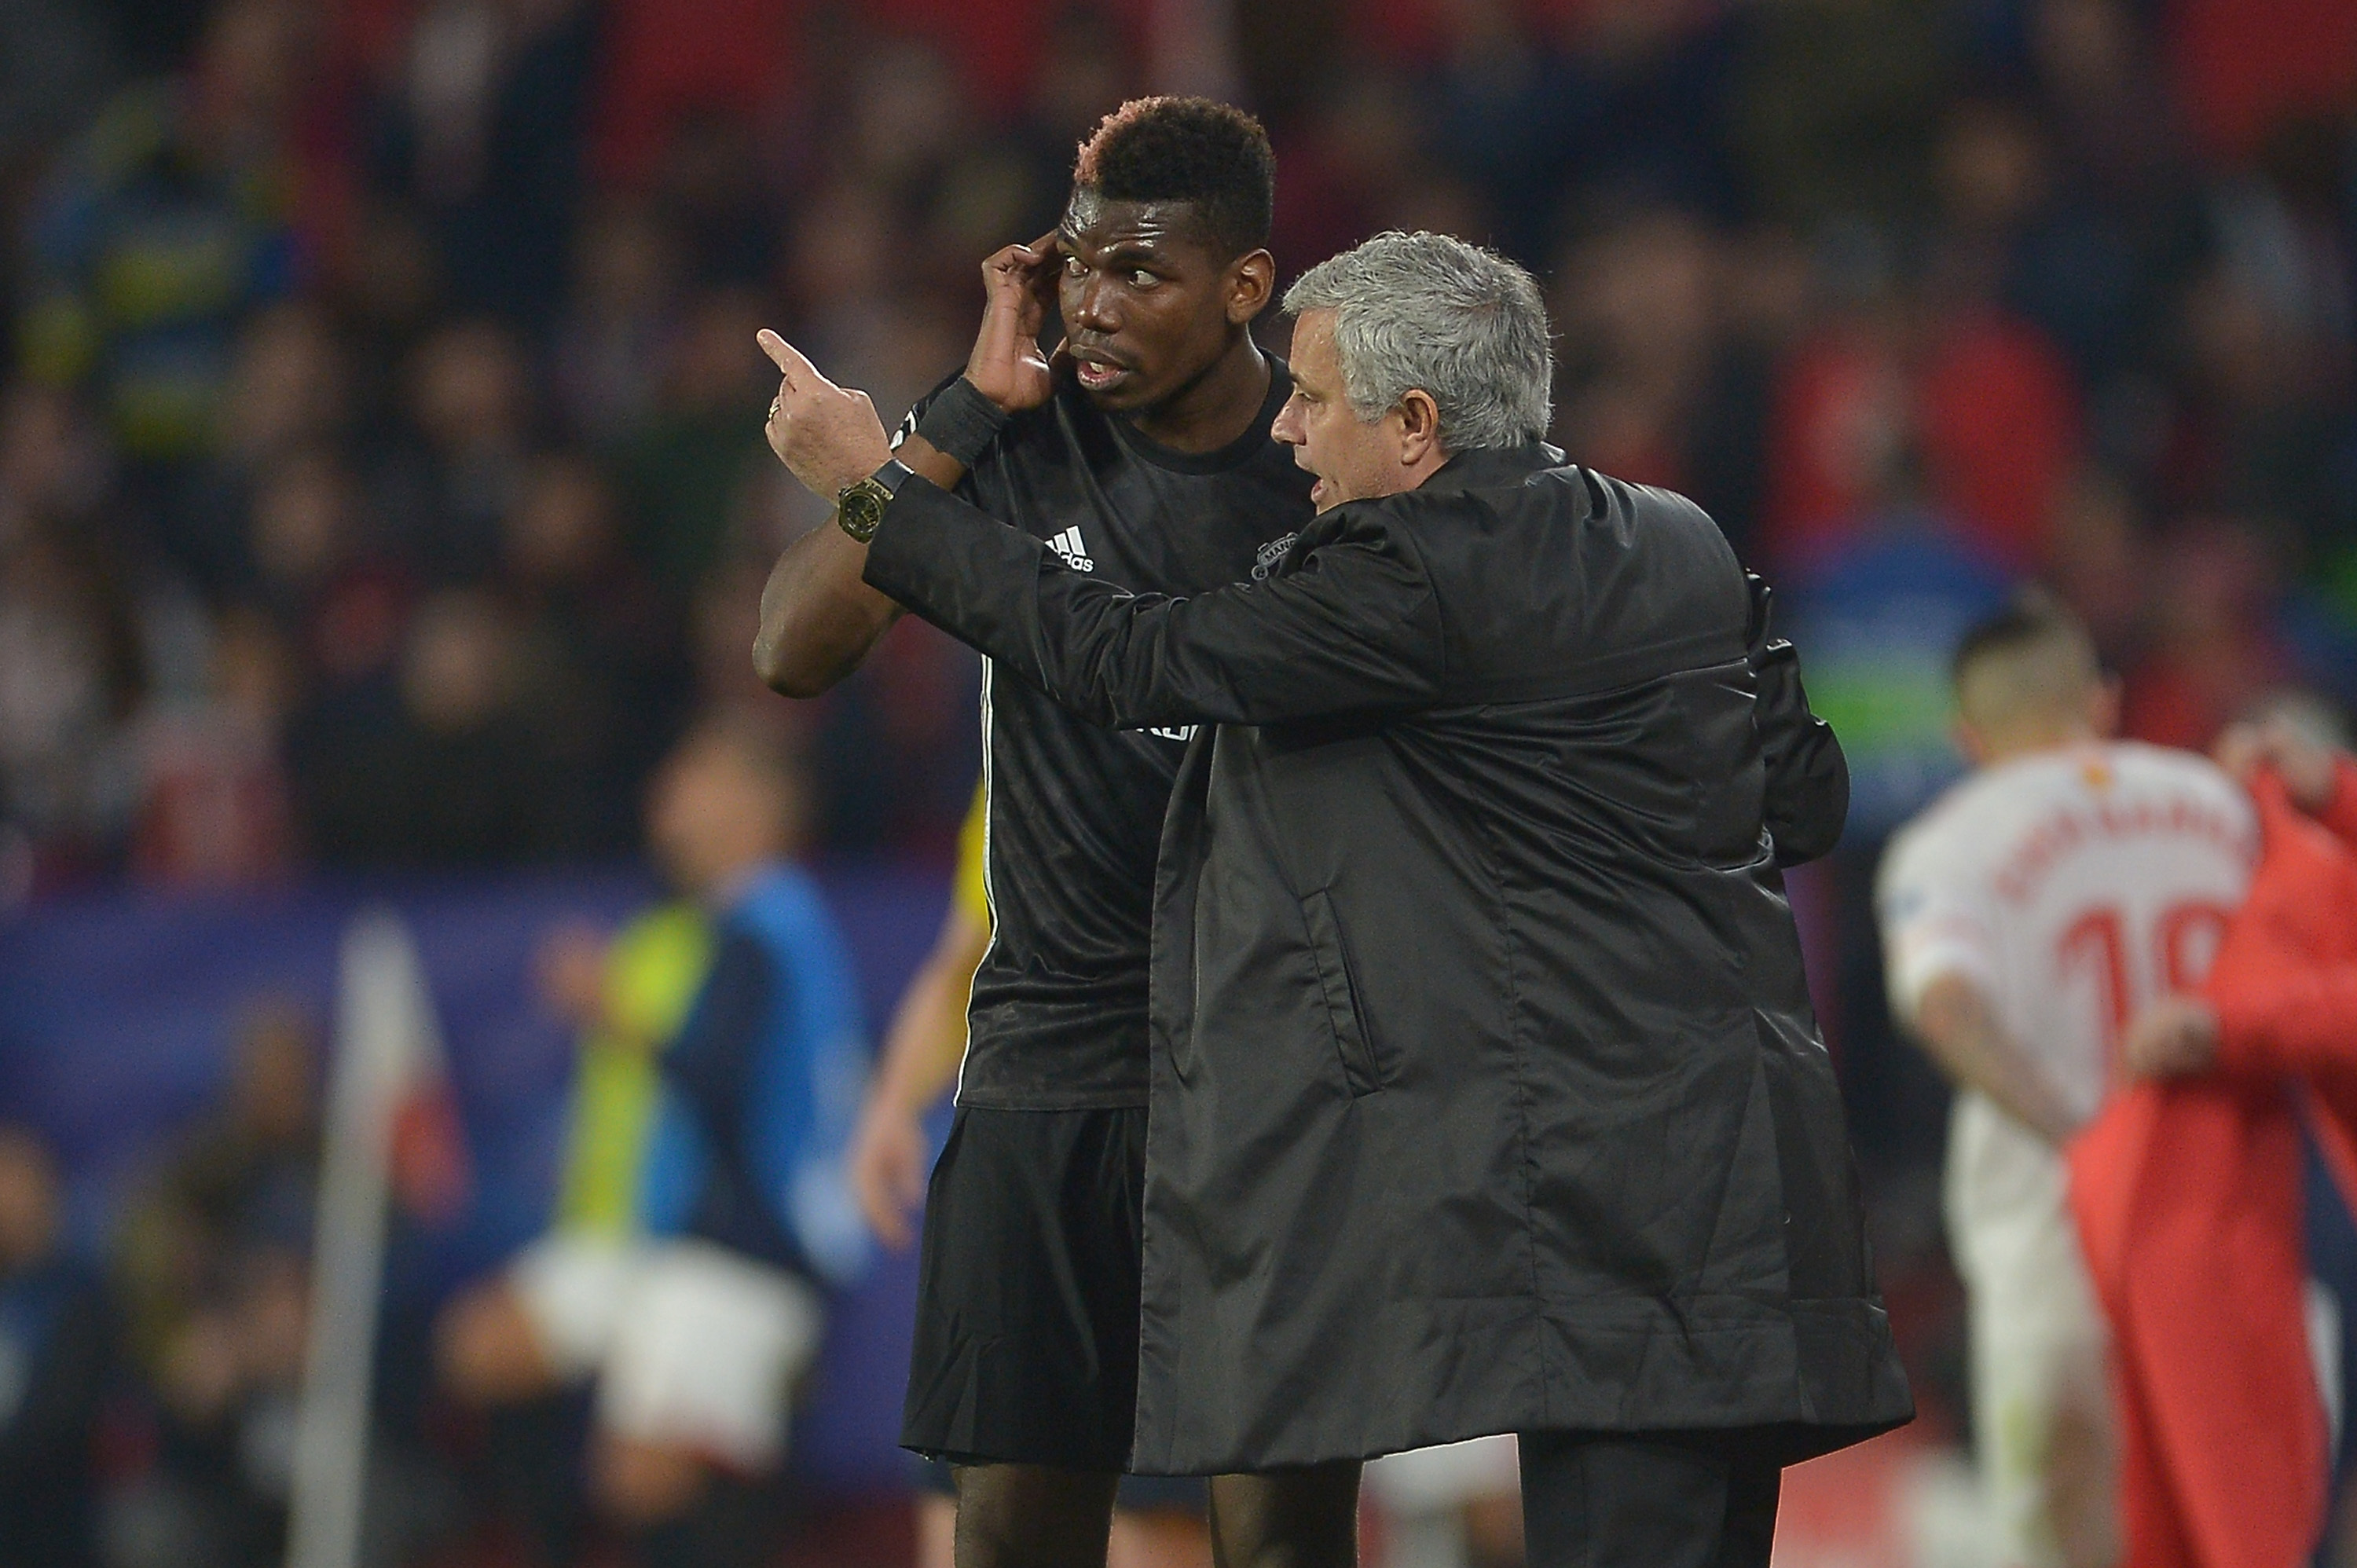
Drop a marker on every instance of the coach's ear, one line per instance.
(1419, 420)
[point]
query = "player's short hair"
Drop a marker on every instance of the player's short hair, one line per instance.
(1430, 311)
(1211, 155)
(2033, 657)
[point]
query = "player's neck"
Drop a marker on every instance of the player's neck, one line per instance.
(2037, 742)
(1216, 407)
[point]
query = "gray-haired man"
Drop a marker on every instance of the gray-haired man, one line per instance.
(1487, 1096)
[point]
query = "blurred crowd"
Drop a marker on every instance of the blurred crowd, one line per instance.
(380, 475)
(380, 480)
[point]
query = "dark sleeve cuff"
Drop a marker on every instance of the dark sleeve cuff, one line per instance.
(909, 536)
(954, 564)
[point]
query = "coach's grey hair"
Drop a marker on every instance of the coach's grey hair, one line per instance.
(1431, 311)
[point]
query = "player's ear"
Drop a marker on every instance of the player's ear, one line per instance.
(1251, 285)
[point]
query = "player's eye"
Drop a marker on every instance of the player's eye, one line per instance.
(1141, 277)
(1073, 267)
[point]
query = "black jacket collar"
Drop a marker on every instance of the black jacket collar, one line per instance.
(1491, 467)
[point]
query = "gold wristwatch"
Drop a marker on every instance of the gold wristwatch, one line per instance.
(860, 507)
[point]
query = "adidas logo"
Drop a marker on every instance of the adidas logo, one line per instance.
(1075, 554)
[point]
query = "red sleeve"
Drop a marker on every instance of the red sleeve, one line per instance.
(2301, 1020)
(2339, 813)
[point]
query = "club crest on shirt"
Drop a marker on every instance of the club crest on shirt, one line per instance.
(1270, 555)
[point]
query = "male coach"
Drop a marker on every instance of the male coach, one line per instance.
(1147, 461)
(1486, 1094)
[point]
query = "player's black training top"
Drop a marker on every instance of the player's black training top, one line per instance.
(1073, 812)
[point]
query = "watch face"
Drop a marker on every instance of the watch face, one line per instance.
(861, 507)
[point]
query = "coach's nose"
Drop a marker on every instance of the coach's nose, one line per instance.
(1287, 428)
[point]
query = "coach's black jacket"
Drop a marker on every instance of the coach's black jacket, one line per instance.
(1487, 1095)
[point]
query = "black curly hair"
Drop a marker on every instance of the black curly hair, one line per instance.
(1187, 149)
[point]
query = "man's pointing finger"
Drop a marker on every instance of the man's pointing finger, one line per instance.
(800, 372)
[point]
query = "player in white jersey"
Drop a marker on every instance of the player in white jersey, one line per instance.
(2027, 916)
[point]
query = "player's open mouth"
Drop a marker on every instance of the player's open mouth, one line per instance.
(1095, 374)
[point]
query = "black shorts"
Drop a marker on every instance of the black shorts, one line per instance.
(1025, 1349)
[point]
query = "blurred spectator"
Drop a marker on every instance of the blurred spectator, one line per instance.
(1837, 106)
(2098, 561)
(1841, 418)
(60, 60)
(1977, 398)
(691, 463)
(483, 137)
(213, 1260)
(1087, 66)
(611, 343)
(728, 58)
(289, 390)
(254, 1158)
(171, 217)
(714, 191)
(600, 655)
(311, 571)
(697, 1302)
(2254, 431)
(290, 386)
(230, 1383)
(626, 997)
(2243, 67)
(458, 466)
(1623, 100)
(57, 1349)
(1668, 343)
(72, 659)
(461, 772)
(2000, 429)
(212, 804)
(2213, 649)
(1365, 144)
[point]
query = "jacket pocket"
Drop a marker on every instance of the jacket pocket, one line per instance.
(1339, 994)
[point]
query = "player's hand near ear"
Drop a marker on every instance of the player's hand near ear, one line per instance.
(1019, 284)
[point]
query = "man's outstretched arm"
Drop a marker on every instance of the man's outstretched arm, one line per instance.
(1354, 627)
